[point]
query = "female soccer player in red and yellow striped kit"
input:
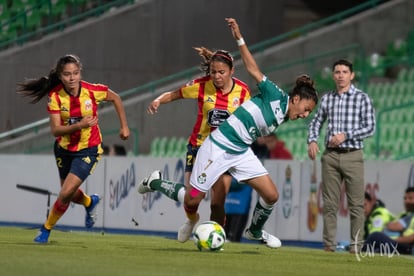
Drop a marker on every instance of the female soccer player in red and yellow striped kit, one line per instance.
(218, 94)
(72, 107)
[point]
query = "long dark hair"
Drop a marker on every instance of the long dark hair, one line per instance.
(210, 56)
(38, 88)
(305, 89)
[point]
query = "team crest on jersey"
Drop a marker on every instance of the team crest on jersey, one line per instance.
(201, 179)
(64, 109)
(88, 104)
(236, 102)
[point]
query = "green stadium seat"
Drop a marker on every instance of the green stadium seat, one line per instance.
(323, 79)
(410, 75)
(181, 147)
(370, 148)
(397, 51)
(34, 19)
(58, 8)
(402, 75)
(375, 65)
(4, 13)
(162, 147)
(8, 32)
(154, 146)
(19, 6)
(171, 147)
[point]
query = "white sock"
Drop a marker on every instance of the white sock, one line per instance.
(180, 195)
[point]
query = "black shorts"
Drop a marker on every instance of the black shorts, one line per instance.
(81, 163)
(190, 157)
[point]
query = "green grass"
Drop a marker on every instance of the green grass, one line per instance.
(92, 253)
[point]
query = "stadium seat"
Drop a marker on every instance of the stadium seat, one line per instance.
(171, 147)
(34, 19)
(4, 13)
(397, 51)
(402, 75)
(181, 147)
(410, 75)
(375, 65)
(58, 8)
(323, 79)
(19, 6)
(154, 146)
(162, 147)
(8, 32)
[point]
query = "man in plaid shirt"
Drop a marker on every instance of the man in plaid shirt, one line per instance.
(351, 118)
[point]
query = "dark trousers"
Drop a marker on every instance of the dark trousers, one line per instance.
(378, 242)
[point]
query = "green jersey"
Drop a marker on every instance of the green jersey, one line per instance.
(257, 117)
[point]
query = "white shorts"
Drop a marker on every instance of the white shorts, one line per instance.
(212, 161)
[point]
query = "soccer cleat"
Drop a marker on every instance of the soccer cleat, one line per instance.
(91, 216)
(144, 186)
(42, 236)
(186, 230)
(270, 240)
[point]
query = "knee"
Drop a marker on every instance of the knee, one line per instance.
(275, 197)
(271, 199)
(66, 195)
(217, 201)
(192, 199)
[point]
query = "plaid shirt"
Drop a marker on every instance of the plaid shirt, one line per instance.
(351, 113)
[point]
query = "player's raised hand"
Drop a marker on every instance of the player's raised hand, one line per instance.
(234, 28)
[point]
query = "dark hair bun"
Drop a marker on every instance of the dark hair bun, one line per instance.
(304, 80)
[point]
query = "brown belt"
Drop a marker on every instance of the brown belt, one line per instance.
(342, 150)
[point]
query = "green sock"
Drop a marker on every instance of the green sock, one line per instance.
(259, 218)
(168, 188)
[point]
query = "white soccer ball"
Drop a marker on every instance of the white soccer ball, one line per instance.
(209, 236)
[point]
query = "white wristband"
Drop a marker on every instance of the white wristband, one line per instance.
(240, 42)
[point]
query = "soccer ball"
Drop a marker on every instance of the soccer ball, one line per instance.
(209, 236)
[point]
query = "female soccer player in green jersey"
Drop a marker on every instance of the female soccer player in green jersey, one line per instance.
(227, 149)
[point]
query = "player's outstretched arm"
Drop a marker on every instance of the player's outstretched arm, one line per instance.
(248, 60)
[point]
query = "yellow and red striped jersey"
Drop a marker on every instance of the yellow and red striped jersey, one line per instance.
(72, 109)
(213, 106)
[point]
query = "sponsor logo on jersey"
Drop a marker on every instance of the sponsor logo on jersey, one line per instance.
(216, 116)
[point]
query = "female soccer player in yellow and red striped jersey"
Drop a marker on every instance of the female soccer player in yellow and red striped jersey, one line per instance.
(73, 112)
(218, 94)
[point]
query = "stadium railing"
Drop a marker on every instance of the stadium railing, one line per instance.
(320, 71)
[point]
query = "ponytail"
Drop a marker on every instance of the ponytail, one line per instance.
(38, 88)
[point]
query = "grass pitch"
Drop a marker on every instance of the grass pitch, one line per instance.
(92, 253)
